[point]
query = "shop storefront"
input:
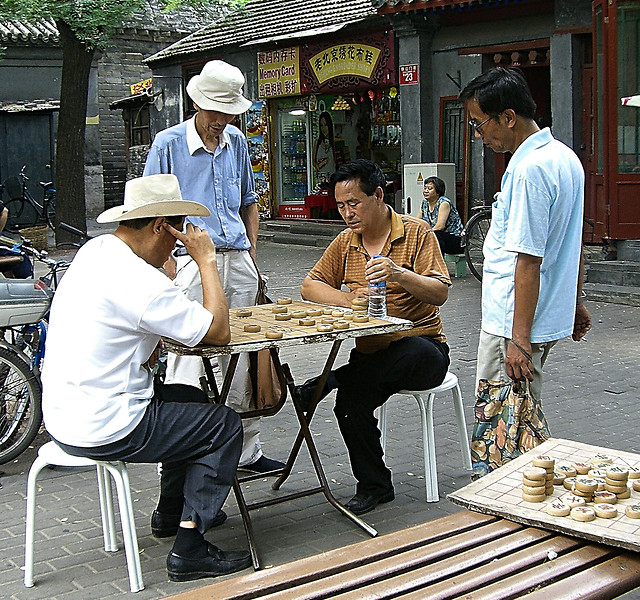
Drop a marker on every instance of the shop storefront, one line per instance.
(613, 173)
(327, 104)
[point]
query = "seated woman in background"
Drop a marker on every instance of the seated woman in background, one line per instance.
(442, 215)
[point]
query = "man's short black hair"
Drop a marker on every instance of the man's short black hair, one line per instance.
(499, 89)
(144, 221)
(368, 173)
(438, 185)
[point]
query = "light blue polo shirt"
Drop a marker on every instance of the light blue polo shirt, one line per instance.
(537, 212)
(221, 180)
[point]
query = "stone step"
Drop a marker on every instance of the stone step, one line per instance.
(297, 239)
(629, 250)
(616, 294)
(303, 226)
(614, 272)
(301, 233)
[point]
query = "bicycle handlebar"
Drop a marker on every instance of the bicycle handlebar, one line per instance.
(75, 231)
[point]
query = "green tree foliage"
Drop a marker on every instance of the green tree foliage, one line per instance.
(85, 26)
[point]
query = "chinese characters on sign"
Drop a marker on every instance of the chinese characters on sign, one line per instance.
(345, 59)
(408, 74)
(141, 86)
(279, 73)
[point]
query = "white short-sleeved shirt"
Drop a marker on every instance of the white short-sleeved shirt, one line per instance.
(538, 211)
(107, 317)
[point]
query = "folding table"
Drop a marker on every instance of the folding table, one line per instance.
(292, 335)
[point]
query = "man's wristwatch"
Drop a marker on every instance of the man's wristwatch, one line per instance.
(580, 299)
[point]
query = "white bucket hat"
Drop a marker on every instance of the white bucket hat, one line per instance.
(153, 196)
(219, 88)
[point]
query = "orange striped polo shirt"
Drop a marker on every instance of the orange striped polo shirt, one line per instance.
(412, 245)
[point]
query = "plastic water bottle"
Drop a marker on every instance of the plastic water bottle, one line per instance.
(378, 298)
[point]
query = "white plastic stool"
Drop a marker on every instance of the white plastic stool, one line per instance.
(425, 399)
(52, 454)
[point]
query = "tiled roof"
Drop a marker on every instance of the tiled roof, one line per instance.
(264, 19)
(42, 32)
(151, 17)
(29, 105)
(388, 6)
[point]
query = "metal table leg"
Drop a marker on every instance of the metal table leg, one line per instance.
(304, 434)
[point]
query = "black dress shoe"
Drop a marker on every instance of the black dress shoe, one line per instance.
(217, 562)
(303, 394)
(363, 503)
(263, 465)
(165, 525)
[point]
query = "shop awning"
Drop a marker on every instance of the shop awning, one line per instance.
(135, 99)
(630, 101)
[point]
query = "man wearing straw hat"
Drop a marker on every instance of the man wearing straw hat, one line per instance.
(107, 318)
(210, 157)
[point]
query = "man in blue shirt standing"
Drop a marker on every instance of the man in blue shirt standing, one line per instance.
(210, 157)
(532, 273)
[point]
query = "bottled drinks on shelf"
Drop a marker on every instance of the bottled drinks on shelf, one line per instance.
(294, 160)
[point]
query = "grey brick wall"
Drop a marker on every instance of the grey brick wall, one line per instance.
(119, 67)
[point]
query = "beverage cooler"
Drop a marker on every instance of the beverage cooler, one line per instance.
(292, 165)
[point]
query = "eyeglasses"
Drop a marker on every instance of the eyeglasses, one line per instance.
(476, 126)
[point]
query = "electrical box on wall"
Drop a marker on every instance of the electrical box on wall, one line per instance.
(414, 176)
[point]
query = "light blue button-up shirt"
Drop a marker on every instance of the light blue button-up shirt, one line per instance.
(538, 211)
(221, 180)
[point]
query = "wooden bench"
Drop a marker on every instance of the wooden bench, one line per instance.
(465, 554)
(460, 261)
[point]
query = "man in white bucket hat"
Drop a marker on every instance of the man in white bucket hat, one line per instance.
(210, 157)
(107, 319)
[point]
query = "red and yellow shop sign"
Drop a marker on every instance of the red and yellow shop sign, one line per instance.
(279, 72)
(141, 86)
(344, 59)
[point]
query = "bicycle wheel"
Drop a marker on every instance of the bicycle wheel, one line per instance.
(476, 232)
(50, 208)
(20, 405)
(21, 214)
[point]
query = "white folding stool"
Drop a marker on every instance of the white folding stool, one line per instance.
(425, 399)
(52, 454)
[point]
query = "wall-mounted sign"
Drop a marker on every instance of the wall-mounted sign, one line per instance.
(344, 59)
(348, 64)
(279, 72)
(141, 86)
(408, 74)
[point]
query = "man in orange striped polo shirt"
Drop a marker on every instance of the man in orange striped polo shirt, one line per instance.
(417, 282)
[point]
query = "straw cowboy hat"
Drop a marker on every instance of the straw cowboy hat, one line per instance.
(153, 196)
(219, 88)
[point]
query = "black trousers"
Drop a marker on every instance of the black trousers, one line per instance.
(365, 383)
(198, 444)
(449, 243)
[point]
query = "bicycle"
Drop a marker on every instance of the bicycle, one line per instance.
(474, 234)
(24, 209)
(473, 237)
(23, 332)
